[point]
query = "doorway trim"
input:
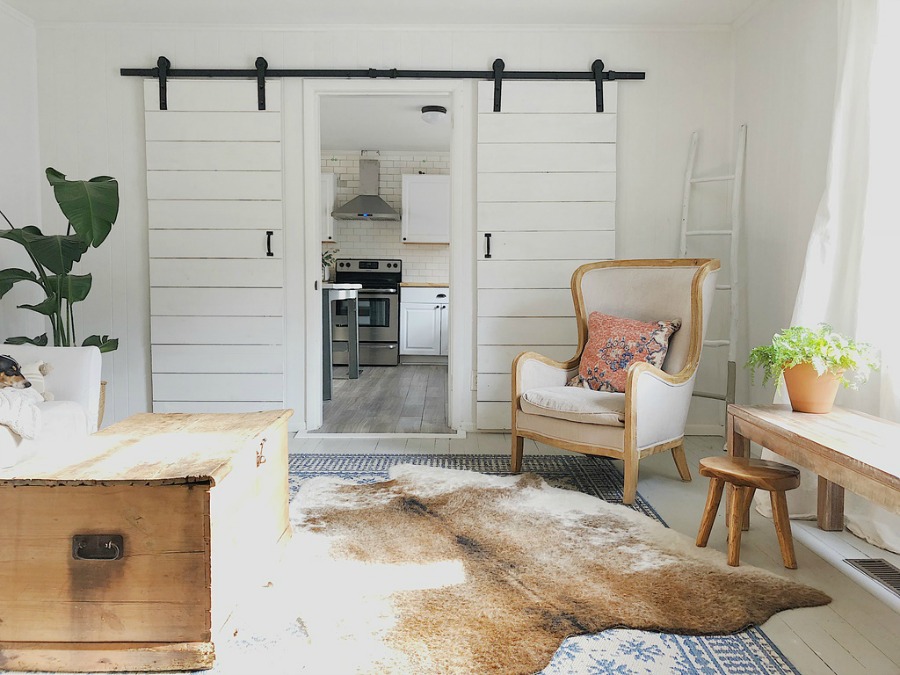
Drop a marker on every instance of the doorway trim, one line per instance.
(461, 412)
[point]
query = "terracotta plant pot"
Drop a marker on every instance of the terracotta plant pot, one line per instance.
(810, 392)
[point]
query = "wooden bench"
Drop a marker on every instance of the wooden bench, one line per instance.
(131, 551)
(847, 449)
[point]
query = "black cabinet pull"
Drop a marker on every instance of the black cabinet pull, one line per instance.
(98, 546)
(487, 241)
(269, 234)
(442, 295)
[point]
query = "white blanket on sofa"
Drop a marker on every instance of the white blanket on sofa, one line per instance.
(19, 411)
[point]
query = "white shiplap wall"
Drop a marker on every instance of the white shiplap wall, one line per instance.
(214, 189)
(21, 178)
(92, 123)
(547, 196)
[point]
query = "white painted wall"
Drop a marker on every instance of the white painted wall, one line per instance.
(91, 122)
(20, 170)
(785, 69)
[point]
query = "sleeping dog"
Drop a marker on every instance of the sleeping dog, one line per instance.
(11, 374)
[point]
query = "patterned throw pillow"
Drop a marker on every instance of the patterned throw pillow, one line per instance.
(615, 343)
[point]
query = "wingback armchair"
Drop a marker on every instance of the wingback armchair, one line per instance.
(650, 415)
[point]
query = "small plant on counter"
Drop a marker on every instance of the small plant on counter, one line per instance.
(328, 257)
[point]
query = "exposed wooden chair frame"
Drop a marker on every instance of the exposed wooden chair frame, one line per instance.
(638, 373)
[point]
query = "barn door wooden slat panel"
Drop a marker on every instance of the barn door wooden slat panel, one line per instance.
(214, 186)
(546, 195)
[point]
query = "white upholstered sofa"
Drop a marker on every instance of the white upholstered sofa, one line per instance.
(74, 382)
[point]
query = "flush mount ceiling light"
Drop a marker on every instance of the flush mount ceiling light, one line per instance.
(434, 114)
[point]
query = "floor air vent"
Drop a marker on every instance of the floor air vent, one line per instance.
(880, 570)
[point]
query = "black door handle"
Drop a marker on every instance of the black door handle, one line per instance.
(487, 241)
(269, 234)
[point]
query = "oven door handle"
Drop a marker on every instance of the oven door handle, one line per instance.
(381, 291)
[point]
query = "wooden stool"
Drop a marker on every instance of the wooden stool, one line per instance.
(748, 475)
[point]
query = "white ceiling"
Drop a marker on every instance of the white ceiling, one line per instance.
(389, 122)
(391, 12)
(382, 123)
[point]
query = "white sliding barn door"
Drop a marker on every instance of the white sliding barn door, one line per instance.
(214, 189)
(547, 196)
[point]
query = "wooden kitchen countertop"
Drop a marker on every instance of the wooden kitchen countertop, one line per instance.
(423, 284)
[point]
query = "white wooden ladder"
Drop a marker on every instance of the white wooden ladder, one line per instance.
(733, 231)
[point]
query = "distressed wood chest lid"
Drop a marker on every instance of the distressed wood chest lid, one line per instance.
(149, 449)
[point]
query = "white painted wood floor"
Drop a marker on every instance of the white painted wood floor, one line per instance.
(856, 633)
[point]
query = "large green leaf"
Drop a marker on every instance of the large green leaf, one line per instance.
(9, 277)
(91, 206)
(72, 287)
(102, 342)
(40, 341)
(57, 252)
(48, 306)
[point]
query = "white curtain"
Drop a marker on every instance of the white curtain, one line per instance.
(849, 277)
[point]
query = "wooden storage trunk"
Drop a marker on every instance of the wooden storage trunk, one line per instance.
(130, 552)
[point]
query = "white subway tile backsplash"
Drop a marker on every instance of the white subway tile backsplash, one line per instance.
(357, 239)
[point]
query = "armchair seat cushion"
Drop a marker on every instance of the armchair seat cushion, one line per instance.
(576, 404)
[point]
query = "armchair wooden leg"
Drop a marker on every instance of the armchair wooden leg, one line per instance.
(518, 446)
(681, 462)
(629, 490)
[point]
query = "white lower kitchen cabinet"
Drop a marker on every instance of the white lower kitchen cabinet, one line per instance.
(424, 321)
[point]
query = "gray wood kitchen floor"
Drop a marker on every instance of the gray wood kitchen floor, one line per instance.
(388, 399)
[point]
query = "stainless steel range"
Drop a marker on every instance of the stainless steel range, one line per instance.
(379, 309)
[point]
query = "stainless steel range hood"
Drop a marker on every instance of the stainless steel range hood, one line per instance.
(368, 205)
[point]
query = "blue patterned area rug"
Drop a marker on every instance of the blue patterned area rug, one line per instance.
(613, 652)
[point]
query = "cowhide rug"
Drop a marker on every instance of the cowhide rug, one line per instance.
(446, 571)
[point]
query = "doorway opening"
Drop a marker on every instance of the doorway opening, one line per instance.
(401, 388)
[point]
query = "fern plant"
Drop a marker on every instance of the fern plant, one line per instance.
(821, 347)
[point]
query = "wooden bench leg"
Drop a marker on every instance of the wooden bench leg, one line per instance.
(739, 499)
(830, 506)
(783, 529)
(709, 512)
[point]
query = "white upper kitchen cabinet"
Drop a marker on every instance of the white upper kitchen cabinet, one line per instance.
(425, 209)
(327, 192)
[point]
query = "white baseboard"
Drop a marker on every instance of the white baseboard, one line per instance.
(704, 430)
(315, 434)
